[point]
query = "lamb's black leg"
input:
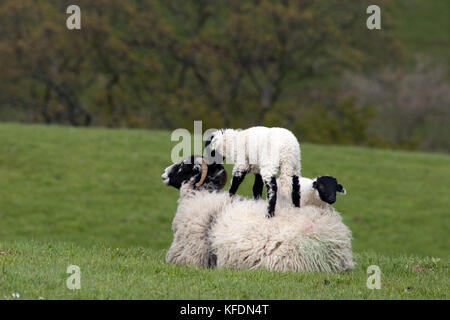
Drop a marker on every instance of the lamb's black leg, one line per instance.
(258, 186)
(295, 191)
(271, 196)
(236, 181)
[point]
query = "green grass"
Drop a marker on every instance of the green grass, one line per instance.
(38, 270)
(94, 198)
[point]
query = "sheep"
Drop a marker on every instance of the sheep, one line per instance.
(320, 192)
(198, 205)
(262, 151)
(214, 230)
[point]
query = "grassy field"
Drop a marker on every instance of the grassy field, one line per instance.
(94, 198)
(38, 271)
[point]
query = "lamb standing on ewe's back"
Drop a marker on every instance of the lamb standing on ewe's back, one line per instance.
(214, 230)
(264, 152)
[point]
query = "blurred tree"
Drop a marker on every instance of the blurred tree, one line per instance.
(238, 55)
(165, 63)
(341, 123)
(413, 105)
(45, 67)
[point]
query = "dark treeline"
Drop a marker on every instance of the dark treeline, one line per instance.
(309, 65)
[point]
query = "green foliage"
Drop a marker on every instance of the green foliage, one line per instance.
(344, 123)
(422, 26)
(231, 63)
(162, 64)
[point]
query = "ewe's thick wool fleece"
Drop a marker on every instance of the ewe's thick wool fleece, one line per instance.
(237, 233)
(296, 239)
(191, 226)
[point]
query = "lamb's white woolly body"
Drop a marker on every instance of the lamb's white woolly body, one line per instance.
(262, 150)
(213, 230)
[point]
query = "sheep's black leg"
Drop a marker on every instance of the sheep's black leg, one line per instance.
(236, 181)
(258, 186)
(296, 191)
(271, 196)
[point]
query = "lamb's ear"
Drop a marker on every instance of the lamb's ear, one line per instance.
(314, 185)
(341, 189)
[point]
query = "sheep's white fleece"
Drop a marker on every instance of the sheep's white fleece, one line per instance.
(237, 234)
(196, 212)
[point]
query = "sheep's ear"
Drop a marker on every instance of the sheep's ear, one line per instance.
(341, 189)
(314, 185)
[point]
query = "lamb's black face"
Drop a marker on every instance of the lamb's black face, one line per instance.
(327, 186)
(184, 171)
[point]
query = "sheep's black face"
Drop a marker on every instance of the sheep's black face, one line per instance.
(178, 173)
(189, 170)
(327, 186)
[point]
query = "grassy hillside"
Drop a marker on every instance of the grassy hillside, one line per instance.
(94, 197)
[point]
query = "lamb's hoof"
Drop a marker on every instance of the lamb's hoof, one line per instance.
(269, 215)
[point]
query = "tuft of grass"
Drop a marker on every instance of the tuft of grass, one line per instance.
(94, 198)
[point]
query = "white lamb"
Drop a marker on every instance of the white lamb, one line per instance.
(264, 152)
